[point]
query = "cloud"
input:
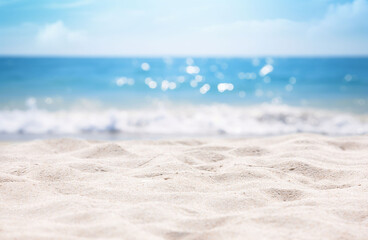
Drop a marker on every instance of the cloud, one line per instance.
(344, 19)
(123, 29)
(342, 30)
(57, 33)
(274, 27)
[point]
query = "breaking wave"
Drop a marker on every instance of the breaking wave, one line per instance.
(202, 120)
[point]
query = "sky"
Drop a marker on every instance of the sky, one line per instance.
(184, 27)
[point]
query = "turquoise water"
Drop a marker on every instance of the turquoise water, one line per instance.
(140, 95)
(338, 83)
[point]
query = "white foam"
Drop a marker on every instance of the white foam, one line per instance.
(193, 120)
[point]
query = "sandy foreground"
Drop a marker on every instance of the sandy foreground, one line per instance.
(290, 187)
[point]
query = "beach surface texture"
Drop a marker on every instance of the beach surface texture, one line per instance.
(300, 186)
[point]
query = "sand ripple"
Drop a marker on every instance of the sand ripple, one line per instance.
(290, 187)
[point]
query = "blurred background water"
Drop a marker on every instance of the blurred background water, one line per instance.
(128, 97)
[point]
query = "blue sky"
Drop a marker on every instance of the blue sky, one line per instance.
(184, 27)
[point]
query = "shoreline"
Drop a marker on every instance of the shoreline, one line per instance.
(190, 121)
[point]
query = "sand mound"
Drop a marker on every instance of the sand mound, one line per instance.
(289, 187)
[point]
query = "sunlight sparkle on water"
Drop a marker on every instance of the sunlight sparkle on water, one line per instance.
(181, 79)
(172, 85)
(289, 87)
(242, 94)
(265, 70)
(145, 66)
(168, 60)
(269, 61)
(192, 70)
(255, 62)
(267, 79)
(198, 78)
(147, 80)
(220, 75)
(249, 76)
(151, 83)
(164, 85)
(348, 77)
(258, 93)
(204, 89)
(213, 68)
(292, 80)
(189, 61)
(124, 80)
(222, 87)
(193, 83)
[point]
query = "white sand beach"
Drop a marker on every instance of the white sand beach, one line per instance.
(300, 186)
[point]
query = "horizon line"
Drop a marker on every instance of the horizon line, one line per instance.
(184, 56)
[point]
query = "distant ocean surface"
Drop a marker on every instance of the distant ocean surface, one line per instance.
(135, 97)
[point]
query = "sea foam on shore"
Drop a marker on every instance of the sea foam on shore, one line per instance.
(202, 120)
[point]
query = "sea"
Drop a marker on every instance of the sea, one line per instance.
(134, 98)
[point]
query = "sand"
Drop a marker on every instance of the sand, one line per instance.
(289, 187)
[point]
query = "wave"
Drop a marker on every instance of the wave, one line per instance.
(265, 119)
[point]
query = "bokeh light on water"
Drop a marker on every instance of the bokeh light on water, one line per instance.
(336, 83)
